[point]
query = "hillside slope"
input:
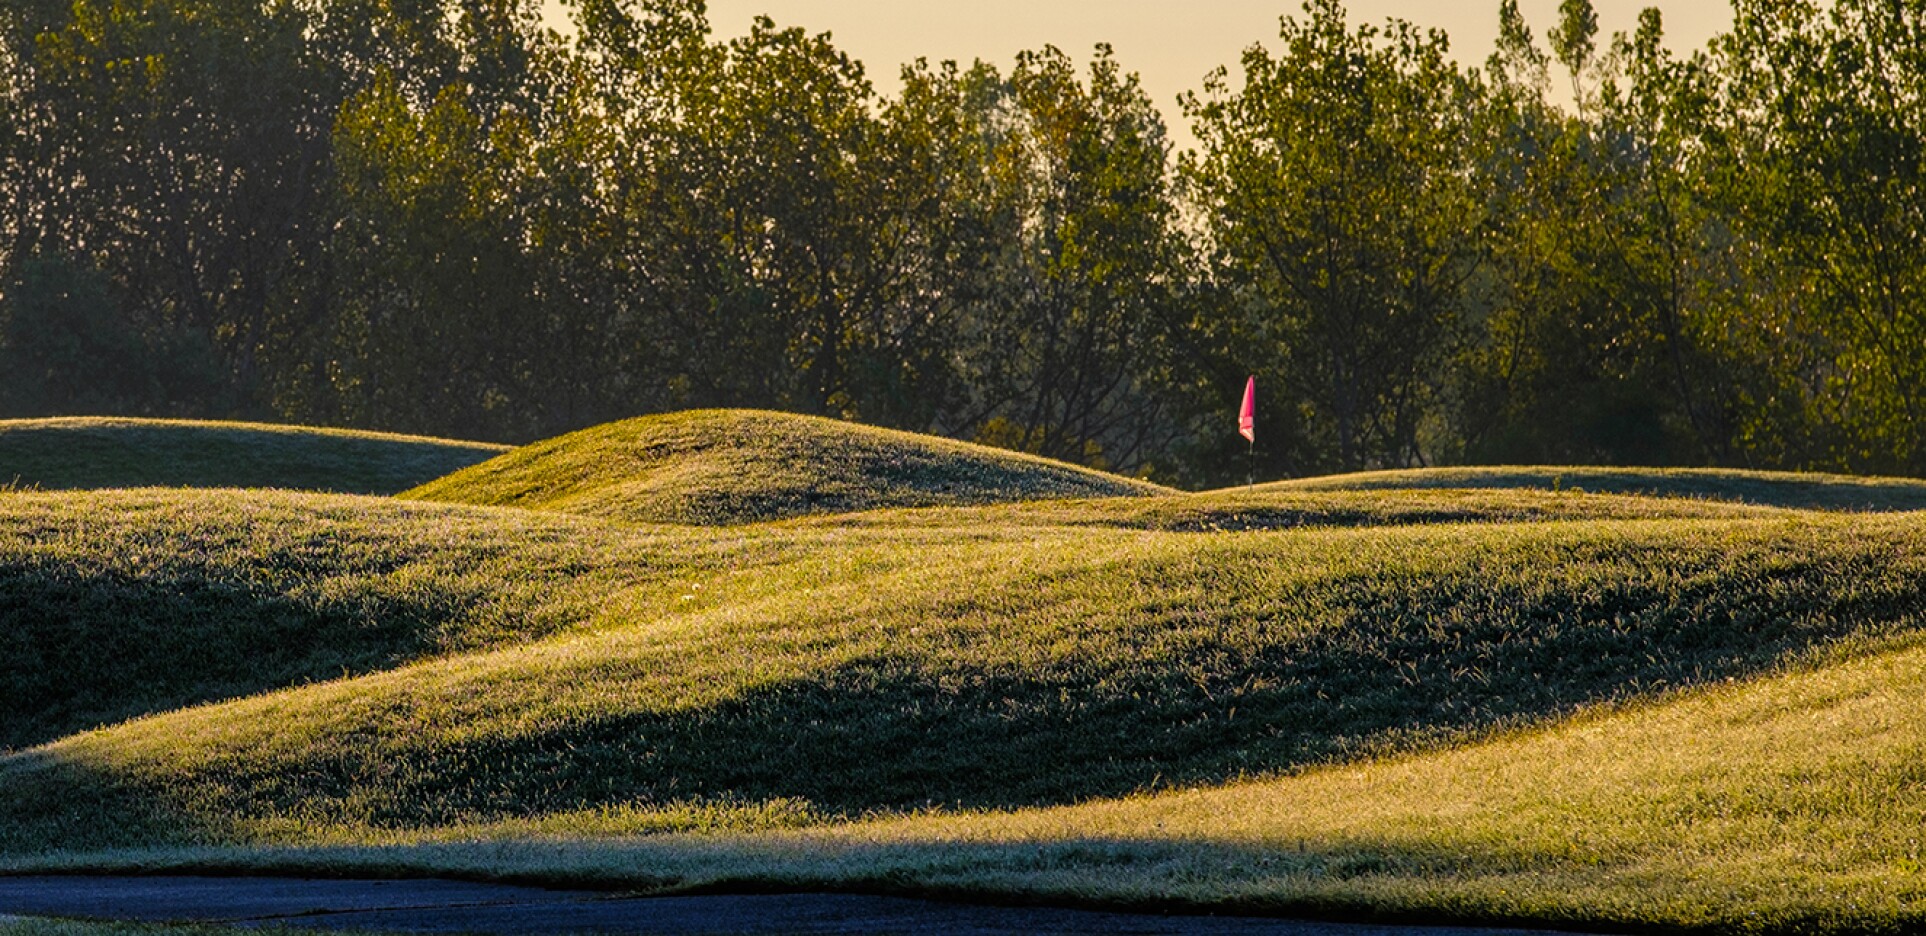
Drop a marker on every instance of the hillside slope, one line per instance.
(1789, 804)
(1498, 704)
(122, 603)
(99, 452)
(738, 466)
(1800, 490)
(1785, 805)
(904, 669)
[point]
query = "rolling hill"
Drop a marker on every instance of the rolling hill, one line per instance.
(120, 603)
(740, 466)
(902, 672)
(1488, 702)
(101, 452)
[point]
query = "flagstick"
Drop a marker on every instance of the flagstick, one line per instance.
(1247, 427)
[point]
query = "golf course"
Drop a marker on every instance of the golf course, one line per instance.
(733, 650)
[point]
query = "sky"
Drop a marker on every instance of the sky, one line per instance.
(1171, 45)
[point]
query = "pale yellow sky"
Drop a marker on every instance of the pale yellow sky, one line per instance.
(1170, 45)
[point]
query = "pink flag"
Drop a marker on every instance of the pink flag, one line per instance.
(1247, 417)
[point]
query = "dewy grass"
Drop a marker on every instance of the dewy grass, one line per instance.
(1804, 490)
(126, 603)
(101, 452)
(998, 674)
(1271, 508)
(1498, 704)
(1789, 804)
(739, 466)
(120, 603)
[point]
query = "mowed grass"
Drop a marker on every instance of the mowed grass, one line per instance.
(894, 671)
(100, 452)
(1788, 804)
(742, 466)
(1270, 508)
(1496, 704)
(1804, 490)
(121, 603)
(126, 603)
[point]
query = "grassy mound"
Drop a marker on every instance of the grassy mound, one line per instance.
(121, 603)
(739, 466)
(1801, 490)
(1789, 804)
(75, 453)
(883, 671)
(1509, 701)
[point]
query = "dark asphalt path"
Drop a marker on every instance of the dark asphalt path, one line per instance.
(458, 907)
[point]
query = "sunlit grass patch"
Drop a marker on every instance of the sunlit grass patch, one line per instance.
(1272, 507)
(119, 603)
(1498, 700)
(738, 466)
(1790, 803)
(1048, 669)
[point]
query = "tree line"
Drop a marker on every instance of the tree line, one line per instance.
(436, 216)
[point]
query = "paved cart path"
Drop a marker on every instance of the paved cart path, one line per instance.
(433, 906)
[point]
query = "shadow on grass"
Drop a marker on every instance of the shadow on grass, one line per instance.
(58, 455)
(84, 649)
(1768, 489)
(1411, 665)
(1371, 661)
(49, 801)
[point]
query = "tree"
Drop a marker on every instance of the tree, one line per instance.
(176, 148)
(1817, 131)
(1052, 251)
(1333, 189)
(1597, 294)
(751, 208)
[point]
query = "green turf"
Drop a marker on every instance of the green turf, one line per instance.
(1496, 702)
(895, 671)
(1783, 805)
(73, 453)
(120, 603)
(1773, 488)
(126, 603)
(738, 466)
(1272, 508)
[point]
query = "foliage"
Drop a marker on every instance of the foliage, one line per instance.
(436, 216)
(1817, 140)
(1332, 188)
